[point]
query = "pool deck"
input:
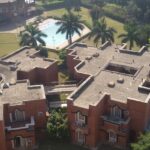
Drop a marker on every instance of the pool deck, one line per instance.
(84, 32)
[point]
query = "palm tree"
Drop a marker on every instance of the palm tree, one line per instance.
(77, 5)
(102, 32)
(31, 36)
(131, 34)
(95, 13)
(144, 32)
(70, 24)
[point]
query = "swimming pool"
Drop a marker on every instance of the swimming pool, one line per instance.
(53, 40)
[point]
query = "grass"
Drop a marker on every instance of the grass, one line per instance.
(53, 55)
(63, 96)
(62, 72)
(8, 43)
(86, 17)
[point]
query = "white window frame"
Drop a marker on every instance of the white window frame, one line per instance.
(80, 117)
(112, 139)
(80, 137)
(116, 112)
(16, 115)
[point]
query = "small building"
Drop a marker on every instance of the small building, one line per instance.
(12, 8)
(112, 104)
(27, 64)
(22, 115)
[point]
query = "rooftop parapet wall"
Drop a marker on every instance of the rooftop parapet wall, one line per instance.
(124, 49)
(15, 52)
(23, 53)
(124, 78)
(84, 85)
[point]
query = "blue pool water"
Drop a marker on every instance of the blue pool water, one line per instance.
(53, 40)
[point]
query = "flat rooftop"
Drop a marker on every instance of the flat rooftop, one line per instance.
(19, 93)
(27, 59)
(107, 68)
(7, 74)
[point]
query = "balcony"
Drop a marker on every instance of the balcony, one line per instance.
(116, 120)
(117, 124)
(82, 125)
(19, 125)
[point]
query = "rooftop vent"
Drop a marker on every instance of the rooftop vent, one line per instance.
(88, 58)
(5, 85)
(120, 80)
(12, 81)
(95, 54)
(111, 84)
(13, 67)
(1, 92)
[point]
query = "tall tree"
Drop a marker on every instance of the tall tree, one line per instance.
(68, 4)
(57, 125)
(31, 36)
(143, 142)
(70, 24)
(144, 32)
(77, 5)
(102, 32)
(130, 35)
(95, 13)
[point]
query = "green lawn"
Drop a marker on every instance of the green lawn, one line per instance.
(8, 43)
(86, 17)
(62, 73)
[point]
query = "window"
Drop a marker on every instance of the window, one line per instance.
(80, 137)
(80, 117)
(112, 137)
(19, 115)
(18, 142)
(116, 112)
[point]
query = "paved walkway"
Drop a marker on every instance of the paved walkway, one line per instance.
(58, 104)
(15, 26)
(50, 90)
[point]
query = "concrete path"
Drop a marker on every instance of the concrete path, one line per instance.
(58, 104)
(15, 26)
(50, 90)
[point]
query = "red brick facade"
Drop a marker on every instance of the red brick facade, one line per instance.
(40, 75)
(99, 122)
(94, 125)
(32, 109)
(23, 123)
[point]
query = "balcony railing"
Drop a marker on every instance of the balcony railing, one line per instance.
(20, 125)
(116, 120)
(80, 124)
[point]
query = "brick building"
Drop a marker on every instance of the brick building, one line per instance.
(27, 64)
(22, 116)
(112, 104)
(23, 75)
(12, 8)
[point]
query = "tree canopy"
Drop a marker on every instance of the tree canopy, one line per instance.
(57, 125)
(143, 142)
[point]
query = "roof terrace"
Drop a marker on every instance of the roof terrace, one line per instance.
(113, 71)
(27, 59)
